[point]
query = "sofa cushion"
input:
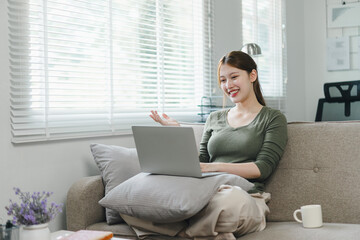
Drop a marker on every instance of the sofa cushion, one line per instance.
(116, 164)
(274, 230)
(162, 198)
(295, 231)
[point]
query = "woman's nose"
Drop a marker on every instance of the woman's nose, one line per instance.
(229, 84)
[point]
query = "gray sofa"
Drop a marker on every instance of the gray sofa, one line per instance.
(321, 165)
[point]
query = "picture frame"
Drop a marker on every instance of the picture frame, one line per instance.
(346, 15)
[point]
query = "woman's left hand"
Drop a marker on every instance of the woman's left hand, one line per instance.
(208, 167)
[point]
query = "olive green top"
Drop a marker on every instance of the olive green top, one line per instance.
(262, 141)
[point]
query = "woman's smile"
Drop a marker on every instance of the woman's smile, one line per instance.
(234, 92)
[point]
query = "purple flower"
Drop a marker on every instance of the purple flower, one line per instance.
(17, 191)
(33, 208)
(30, 218)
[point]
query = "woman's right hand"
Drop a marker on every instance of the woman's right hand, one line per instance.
(165, 121)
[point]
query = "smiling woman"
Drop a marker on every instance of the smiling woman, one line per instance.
(94, 68)
(247, 140)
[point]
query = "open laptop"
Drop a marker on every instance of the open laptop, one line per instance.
(168, 150)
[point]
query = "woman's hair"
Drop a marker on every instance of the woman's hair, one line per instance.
(244, 62)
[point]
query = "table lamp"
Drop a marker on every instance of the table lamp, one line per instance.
(252, 49)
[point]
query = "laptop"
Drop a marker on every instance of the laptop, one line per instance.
(168, 150)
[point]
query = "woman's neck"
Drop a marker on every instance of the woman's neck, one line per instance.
(250, 106)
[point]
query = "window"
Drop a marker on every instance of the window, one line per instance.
(264, 24)
(93, 68)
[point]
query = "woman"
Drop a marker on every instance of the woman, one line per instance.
(247, 140)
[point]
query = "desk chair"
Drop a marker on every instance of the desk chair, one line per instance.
(341, 102)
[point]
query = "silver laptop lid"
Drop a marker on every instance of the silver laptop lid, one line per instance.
(167, 150)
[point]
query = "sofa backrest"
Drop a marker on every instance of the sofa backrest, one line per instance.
(320, 165)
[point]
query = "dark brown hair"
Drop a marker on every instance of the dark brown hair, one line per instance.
(244, 62)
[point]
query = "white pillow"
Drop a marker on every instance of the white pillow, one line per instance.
(162, 198)
(116, 164)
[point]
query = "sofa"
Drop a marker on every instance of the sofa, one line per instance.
(320, 165)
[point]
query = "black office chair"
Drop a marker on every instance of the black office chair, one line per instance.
(341, 102)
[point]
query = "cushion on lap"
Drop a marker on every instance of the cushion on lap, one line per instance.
(163, 198)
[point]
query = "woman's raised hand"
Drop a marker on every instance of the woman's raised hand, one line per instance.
(165, 121)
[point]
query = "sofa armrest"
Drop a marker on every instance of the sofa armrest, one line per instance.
(82, 207)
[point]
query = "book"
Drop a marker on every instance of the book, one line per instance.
(89, 235)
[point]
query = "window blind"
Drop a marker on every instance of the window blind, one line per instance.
(93, 68)
(264, 23)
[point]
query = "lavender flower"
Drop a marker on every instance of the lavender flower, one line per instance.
(33, 208)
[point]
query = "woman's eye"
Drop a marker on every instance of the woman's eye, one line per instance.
(233, 77)
(222, 80)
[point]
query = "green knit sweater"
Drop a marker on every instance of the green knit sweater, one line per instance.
(262, 141)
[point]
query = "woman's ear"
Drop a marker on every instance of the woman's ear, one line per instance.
(253, 75)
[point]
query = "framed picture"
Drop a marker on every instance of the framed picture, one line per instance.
(338, 54)
(347, 15)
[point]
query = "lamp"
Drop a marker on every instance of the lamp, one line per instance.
(252, 49)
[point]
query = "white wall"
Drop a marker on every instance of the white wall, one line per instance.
(227, 24)
(227, 32)
(315, 46)
(295, 92)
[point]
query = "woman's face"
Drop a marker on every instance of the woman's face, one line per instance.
(237, 83)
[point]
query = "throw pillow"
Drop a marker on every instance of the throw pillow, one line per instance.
(116, 164)
(162, 198)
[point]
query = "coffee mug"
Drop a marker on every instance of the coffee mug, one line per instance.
(311, 216)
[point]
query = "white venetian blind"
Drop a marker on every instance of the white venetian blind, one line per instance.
(264, 24)
(91, 68)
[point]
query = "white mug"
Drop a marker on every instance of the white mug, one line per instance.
(311, 216)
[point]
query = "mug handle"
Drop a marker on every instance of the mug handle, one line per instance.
(295, 215)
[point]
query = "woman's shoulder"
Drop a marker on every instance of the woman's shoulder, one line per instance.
(219, 113)
(274, 114)
(217, 118)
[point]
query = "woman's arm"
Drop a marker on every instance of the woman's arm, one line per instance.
(245, 170)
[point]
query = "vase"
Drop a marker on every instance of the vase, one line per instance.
(35, 232)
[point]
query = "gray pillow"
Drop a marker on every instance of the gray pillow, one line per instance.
(116, 164)
(161, 198)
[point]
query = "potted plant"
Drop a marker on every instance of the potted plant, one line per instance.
(33, 213)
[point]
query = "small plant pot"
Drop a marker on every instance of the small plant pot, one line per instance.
(35, 232)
